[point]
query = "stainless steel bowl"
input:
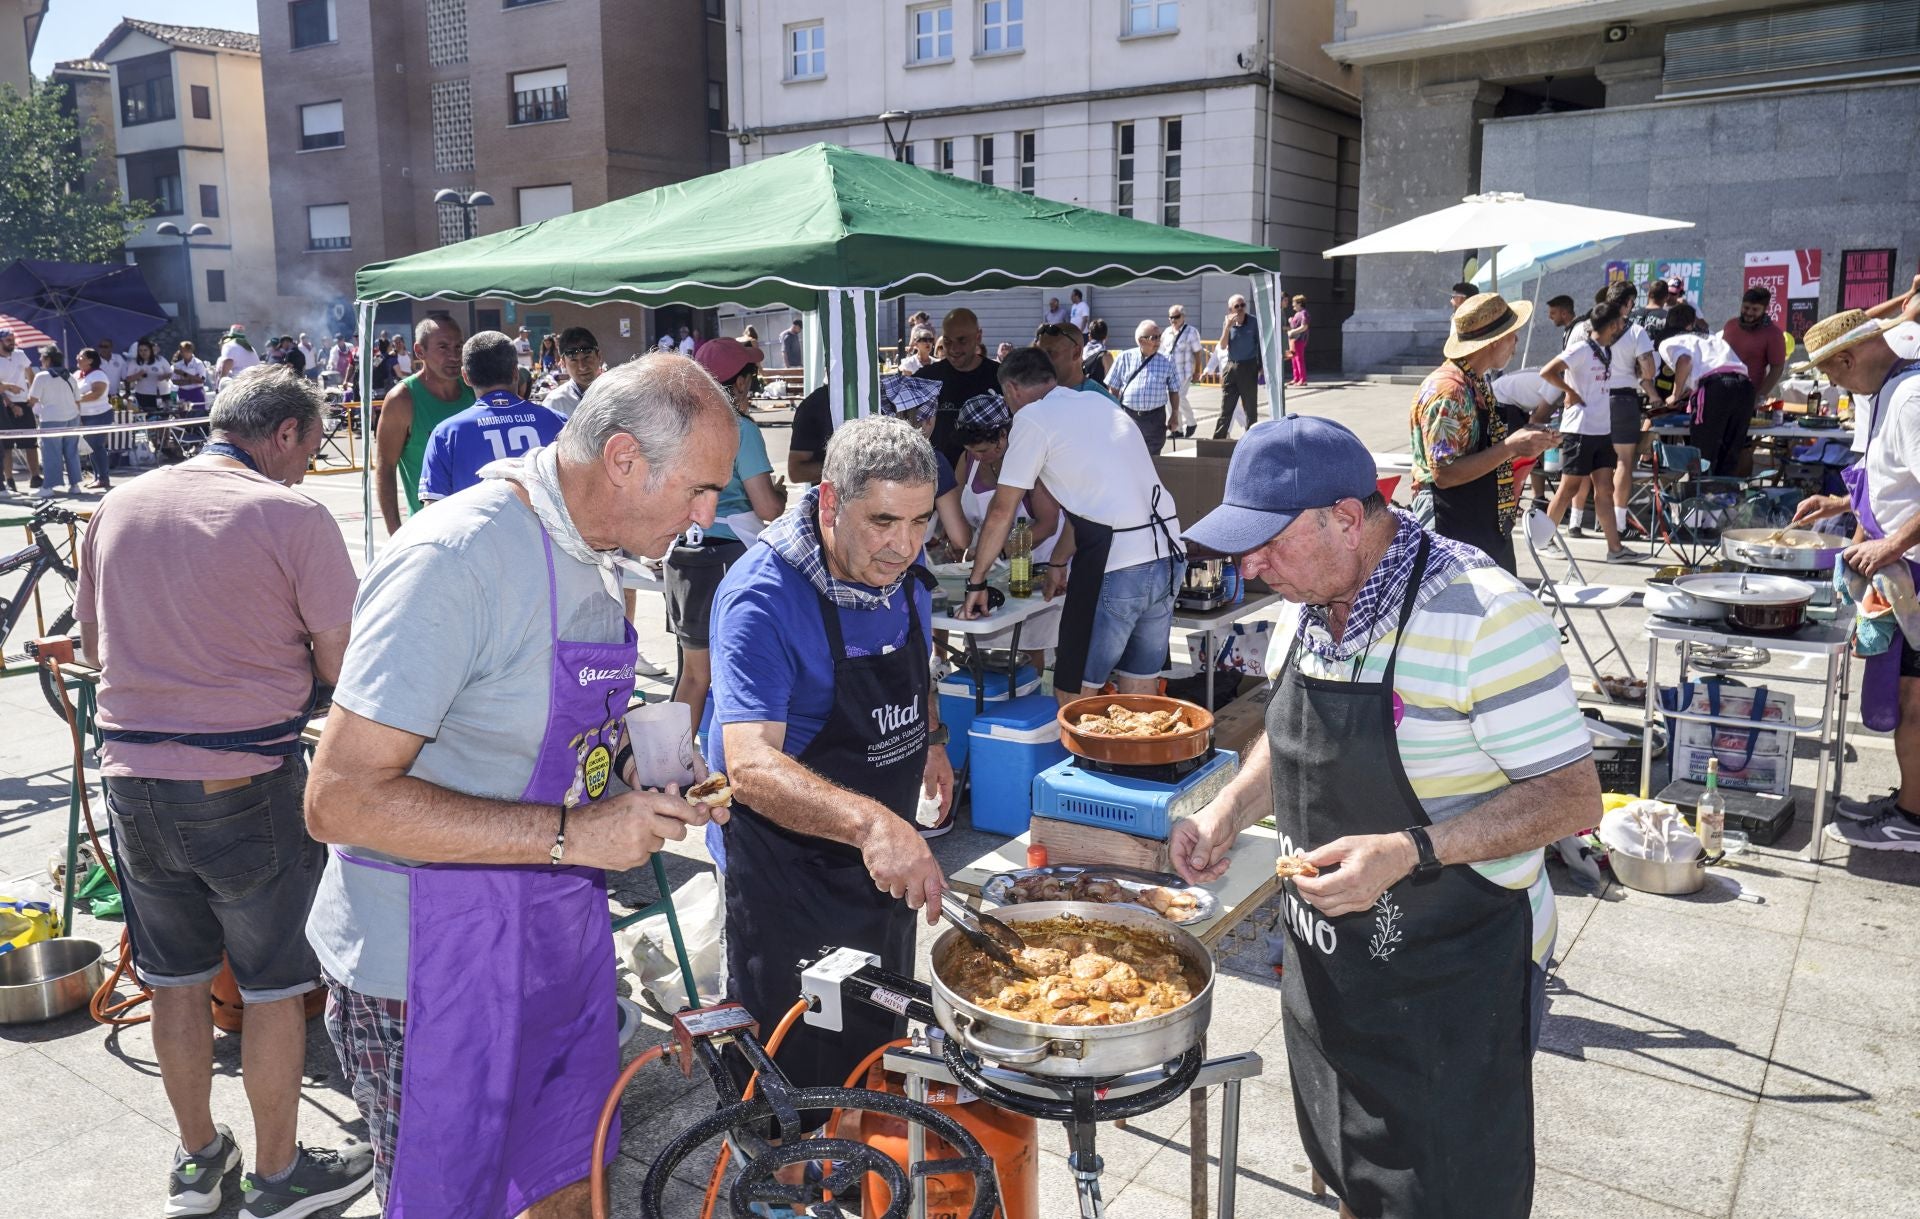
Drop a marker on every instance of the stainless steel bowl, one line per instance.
(48, 979)
(1657, 876)
(1077, 1053)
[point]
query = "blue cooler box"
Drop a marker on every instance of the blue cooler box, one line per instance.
(1012, 743)
(956, 704)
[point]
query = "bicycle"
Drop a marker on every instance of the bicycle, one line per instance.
(39, 557)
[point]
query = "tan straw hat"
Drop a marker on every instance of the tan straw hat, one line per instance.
(1832, 335)
(1484, 319)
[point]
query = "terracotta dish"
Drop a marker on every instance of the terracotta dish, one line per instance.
(1158, 750)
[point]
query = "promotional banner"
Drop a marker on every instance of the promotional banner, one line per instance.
(1691, 272)
(1793, 276)
(1866, 278)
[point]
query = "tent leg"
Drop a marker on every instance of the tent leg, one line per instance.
(366, 312)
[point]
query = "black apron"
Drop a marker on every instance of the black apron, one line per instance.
(789, 895)
(1092, 542)
(1470, 512)
(1407, 1023)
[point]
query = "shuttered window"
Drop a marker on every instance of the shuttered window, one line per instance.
(1793, 44)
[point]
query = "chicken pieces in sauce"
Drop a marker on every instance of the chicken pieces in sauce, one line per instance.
(1120, 722)
(1086, 977)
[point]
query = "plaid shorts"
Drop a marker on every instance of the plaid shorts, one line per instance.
(369, 1035)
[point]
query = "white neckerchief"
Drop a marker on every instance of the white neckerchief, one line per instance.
(539, 473)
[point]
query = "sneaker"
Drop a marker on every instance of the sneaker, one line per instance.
(320, 1178)
(935, 831)
(645, 666)
(1623, 555)
(1865, 810)
(34, 482)
(194, 1185)
(1574, 531)
(1891, 831)
(45, 493)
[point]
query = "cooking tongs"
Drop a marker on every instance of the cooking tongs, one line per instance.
(1001, 943)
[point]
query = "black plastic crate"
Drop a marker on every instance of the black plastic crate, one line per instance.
(1762, 817)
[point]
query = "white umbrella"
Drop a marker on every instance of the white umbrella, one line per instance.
(1525, 260)
(1499, 219)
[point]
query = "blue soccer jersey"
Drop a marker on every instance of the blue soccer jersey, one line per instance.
(498, 426)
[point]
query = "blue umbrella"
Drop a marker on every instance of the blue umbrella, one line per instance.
(78, 304)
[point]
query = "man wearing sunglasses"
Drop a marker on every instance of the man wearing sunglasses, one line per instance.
(580, 357)
(1240, 376)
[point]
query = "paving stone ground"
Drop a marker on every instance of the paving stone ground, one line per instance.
(1748, 1052)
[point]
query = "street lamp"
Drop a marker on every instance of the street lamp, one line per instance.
(167, 228)
(466, 203)
(887, 119)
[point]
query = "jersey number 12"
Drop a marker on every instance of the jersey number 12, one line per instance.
(516, 440)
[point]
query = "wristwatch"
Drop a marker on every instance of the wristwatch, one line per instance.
(940, 735)
(1429, 865)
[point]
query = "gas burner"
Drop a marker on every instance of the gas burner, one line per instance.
(1166, 772)
(1731, 658)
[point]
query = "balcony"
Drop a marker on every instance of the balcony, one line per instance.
(540, 105)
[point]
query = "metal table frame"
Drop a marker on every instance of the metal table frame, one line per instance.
(973, 630)
(1208, 622)
(1830, 729)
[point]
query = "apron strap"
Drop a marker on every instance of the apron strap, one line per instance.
(553, 585)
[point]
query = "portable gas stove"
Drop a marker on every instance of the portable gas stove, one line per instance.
(1143, 800)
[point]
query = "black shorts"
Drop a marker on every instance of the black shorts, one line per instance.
(1515, 417)
(1909, 659)
(18, 417)
(1623, 414)
(693, 574)
(1585, 455)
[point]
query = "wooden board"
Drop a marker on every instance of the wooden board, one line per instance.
(1071, 842)
(1239, 724)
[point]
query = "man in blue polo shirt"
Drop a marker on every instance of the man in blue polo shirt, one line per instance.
(500, 424)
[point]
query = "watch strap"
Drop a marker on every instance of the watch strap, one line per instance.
(1429, 864)
(940, 734)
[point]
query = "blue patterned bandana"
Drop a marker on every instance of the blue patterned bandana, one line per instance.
(795, 537)
(1376, 608)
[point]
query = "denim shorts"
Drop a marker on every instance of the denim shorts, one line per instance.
(1133, 622)
(234, 871)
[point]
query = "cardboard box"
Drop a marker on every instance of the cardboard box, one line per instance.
(1071, 842)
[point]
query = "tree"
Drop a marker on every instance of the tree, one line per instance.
(52, 205)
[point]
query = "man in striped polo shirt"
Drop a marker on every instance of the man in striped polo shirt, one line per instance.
(1423, 745)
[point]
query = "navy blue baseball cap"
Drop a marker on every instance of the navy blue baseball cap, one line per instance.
(1281, 468)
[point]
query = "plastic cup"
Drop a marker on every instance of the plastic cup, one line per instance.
(662, 737)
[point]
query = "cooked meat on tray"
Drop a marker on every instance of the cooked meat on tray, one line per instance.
(1120, 722)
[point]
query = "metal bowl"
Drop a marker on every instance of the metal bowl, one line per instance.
(1659, 876)
(48, 979)
(1136, 751)
(1074, 1052)
(1783, 549)
(1663, 600)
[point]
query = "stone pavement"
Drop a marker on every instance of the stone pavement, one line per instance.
(1750, 1051)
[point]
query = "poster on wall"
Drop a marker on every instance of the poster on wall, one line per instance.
(1793, 276)
(1866, 278)
(1691, 272)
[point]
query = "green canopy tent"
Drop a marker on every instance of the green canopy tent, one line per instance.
(825, 230)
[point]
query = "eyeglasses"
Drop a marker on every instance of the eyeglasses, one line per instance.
(580, 353)
(1149, 338)
(1237, 308)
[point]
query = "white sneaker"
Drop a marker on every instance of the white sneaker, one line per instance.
(1893, 831)
(645, 666)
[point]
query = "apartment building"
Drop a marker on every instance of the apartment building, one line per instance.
(1169, 111)
(189, 138)
(546, 106)
(1780, 130)
(20, 22)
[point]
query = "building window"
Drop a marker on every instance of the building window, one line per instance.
(807, 51)
(1123, 169)
(716, 10)
(986, 159)
(1027, 161)
(312, 22)
(945, 149)
(452, 109)
(210, 202)
(446, 32)
(146, 89)
(452, 225)
(539, 203)
(1002, 26)
(155, 177)
(716, 106)
(216, 286)
(327, 227)
(322, 125)
(906, 153)
(539, 97)
(932, 31)
(1153, 16)
(202, 101)
(1170, 173)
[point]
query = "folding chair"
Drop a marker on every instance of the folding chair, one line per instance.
(1573, 592)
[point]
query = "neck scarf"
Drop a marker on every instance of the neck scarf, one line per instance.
(1376, 608)
(538, 473)
(795, 537)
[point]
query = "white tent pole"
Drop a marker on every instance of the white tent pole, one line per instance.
(1269, 306)
(1496, 270)
(367, 451)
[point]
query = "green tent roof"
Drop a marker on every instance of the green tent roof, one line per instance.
(778, 231)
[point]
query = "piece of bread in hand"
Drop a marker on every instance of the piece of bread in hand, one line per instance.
(713, 791)
(1290, 866)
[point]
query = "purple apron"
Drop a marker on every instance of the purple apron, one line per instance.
(1880, 681)
(511, 1040)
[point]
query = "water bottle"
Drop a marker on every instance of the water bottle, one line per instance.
(1020, 558)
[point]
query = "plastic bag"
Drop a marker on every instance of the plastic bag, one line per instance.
(26, 922)
(647, 946)
(1651, 830)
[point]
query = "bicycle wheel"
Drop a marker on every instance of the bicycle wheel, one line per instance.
(50, 689)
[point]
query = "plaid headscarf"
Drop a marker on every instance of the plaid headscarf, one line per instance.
(913, 397)
(984, 413)
(795, 537)
(1376, 609)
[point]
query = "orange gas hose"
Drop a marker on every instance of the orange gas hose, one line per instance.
(794, 1013)
(598, 1187)
(102, 1006)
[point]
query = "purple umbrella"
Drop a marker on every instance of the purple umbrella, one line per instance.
(79, 304)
